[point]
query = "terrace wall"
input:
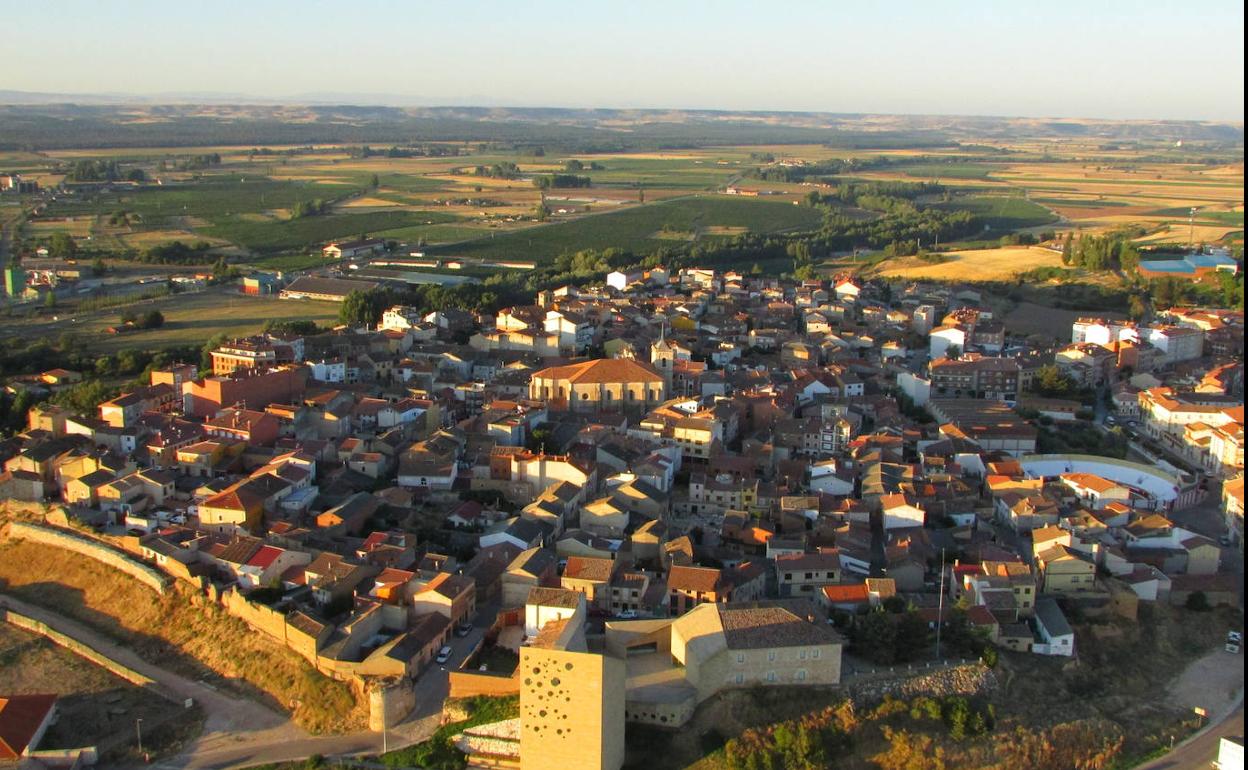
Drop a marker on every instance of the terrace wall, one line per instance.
(148, 576)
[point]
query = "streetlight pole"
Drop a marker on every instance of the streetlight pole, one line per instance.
(138, 731)
(940, 611)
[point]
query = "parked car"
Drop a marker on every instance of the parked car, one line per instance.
(464, 629)
(627, 615)
(444, 655)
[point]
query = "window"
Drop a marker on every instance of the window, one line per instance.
(771, 655)
(740, 678)
(801, 675)
(814, 654)
(771, 676)
(740, 657)
(801, 654)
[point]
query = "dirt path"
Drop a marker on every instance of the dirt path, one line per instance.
(239, 732)
(1211, 682)
(229, 719)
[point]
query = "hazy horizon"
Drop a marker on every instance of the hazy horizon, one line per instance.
(1154, 60)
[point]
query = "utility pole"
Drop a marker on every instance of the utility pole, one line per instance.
(1191, 228)
(138, 731)
(940, 611)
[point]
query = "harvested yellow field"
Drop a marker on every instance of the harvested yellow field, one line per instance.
(975, 265)
(370, 203)
(79, 227)
(148, 238)
(1181, 233)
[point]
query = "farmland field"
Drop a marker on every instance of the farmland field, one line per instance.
(975, 265)
(308, 232)
(634, 229)
(190, 319)
(1003, 213)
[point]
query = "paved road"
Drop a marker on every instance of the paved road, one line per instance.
(1198, 751)
(225, 713)
(242, 750)
(240, 732)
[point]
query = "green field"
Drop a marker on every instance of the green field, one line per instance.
(215, 200)
(284, 234)
(1079, 203)
(190, 319)
(451, 233)
(1002, 213)
(1225, 218)
(633, 229)
(952, 170)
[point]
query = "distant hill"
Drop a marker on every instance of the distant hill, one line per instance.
(31, 120)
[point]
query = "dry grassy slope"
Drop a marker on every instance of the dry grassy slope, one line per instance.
(94, 705)
(173, 633)
(1118, 685)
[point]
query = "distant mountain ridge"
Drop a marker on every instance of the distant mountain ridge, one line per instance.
(48, 120)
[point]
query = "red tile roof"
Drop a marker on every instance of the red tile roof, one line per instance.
(848, 593)
(265, 557)
(20, 718)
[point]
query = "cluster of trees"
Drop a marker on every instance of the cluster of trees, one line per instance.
(502, 170)
(1051, 382)
(548, 181)
(1093, 744)
(1026, 239)
(1106, 252)
(892, 634)
(412, 151)
(18, 356)
(364, 308)
(177, 253)
(313, 208)
(121, 218)
(812, 171)
(305, 327)
(573, 166)
(961, 716)
(152, 319)
(94, 171)
(810, 743)
(591, 262)
(200, 162)
(1219, 289)
(62, 246)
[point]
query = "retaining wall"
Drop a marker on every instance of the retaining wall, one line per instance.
(34, 626)
(465, 684)
(148, 576)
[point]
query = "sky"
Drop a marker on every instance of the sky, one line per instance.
(1094, 58)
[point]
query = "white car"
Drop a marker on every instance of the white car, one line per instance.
(444, 655)
(627, 615)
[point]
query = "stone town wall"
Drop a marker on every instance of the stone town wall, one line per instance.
(148, 576)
